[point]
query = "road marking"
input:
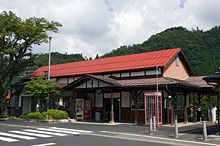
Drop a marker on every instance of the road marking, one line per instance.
(8, 139)
(74, 130)
(17, 136)
(45, 132)
(32, 134)
(167, 139)
(45, 144)
(61, 131)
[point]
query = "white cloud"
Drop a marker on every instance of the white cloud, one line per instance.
(98, 26)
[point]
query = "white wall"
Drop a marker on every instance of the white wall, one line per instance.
(62, 80)
(138, 73)
(114, 95)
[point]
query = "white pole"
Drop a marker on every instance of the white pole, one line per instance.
(49, 58)
(157, 97)
(176, 128)
(48, 100)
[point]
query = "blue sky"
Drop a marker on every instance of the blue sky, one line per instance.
(98, 26)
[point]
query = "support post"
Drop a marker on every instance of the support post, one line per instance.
(185, 109)
(73, 106)
(150, 126)
(185, 115)
(218, 108)
(194, 108)
(204, 131)
(210, 109)
(171, 116)
(168, 110)
(176, 128)
(154, 123)
(136, 106)
(112, 109)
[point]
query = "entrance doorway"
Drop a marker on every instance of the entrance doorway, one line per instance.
(107, 108)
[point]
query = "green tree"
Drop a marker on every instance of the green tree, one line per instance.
(41, 88)
(17, 36)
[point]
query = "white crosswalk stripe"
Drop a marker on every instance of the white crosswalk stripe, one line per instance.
(8, 139)
(45, 132)
(16, 136)
(74, 130)
(61, 131)
(32, 134)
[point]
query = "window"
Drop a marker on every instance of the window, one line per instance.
(177, 61)
(140, 103)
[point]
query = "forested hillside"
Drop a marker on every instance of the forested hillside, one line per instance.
(202, 48)
(42, 60)
(56, 58)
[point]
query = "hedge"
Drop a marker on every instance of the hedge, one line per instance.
(32, 116)
(56, 114)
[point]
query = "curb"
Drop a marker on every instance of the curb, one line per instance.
(48, 121)
(3, 119)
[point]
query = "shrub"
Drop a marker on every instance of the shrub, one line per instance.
(32, 116)
(3, 116)
(56, 114)
(24, 116)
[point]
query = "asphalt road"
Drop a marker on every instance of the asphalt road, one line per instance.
(19, 133)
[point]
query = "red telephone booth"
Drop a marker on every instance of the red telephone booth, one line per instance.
(153, 106)
(87, 109)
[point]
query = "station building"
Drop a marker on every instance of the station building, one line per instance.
(129, 88)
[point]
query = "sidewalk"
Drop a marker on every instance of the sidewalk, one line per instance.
(190, 131)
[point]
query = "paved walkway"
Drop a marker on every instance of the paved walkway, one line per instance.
(190, 131)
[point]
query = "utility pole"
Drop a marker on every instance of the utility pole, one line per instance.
(157, 72)
(49, 58)
(48, 100)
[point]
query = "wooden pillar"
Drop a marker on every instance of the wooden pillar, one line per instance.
(185, 109)
(218, 110)
(194, 108)
(136, 106)
(210, 108)
(73, 105)
(173, 98)
(112, 108)
(168, 109)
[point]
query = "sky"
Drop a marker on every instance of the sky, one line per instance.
(95, 27)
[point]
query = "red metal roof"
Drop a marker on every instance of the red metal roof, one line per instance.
(110, 64)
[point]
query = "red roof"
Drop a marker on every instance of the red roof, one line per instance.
(110, 64)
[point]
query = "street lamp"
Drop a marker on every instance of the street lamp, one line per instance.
(49, 58)
(48, 77)
(157, 72)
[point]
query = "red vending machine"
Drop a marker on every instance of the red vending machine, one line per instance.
(87, 109)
